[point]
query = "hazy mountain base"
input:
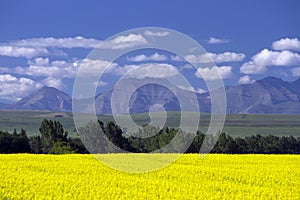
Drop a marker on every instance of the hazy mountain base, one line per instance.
(236, 125)
(267, 96)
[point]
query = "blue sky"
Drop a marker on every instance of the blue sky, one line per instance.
(43, 42)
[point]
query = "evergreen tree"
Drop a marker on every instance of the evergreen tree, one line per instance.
(51, 132)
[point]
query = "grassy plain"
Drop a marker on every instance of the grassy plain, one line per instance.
(235, 125)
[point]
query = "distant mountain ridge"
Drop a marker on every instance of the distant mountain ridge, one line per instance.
(267, 96)
(270, 95)
(47, 98)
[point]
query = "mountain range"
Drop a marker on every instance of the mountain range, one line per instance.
(47, 98)
(267, 96)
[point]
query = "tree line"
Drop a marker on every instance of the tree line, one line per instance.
(102, 138)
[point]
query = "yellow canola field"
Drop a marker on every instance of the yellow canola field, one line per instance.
(26, 176)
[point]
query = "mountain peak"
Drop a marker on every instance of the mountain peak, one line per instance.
(271, 79)
(271, 82)
(47, 98)
(47, 88)
(296, 82)
(51, 91)
(265, 96)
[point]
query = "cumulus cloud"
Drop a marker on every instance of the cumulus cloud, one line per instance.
(200, 90)
(13, 88)
(60, 69)
(192, 89)
(157, 34)
(53, 82)
(176, 58)
(214, 72)
(39, 61)
(213, 40)
(286, 44)
(251, 68)
(150, 70)
(16, 51)
(69, 42)
(51, 73)
(124, 41)
(90, 67)
(275, 58)
(227, 57)
(143, 57)
(217, 58)
(100, 83)
(56, 69)
(245, 80)
(266, 58)
(34, 47)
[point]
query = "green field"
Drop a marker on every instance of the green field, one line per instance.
(31, 120)
(235, 125)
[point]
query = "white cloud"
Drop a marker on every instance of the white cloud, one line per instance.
(69, 42)
(53, 82)
(251, 68)
(100, 83)
(267, 58)
(287, 44)
(158, 34)
(43, 71)
(187, 66)
(201, 91)
(89, 67)
(151, 70)
(124, 41)
(27, 52)
(60, 69)
(176, 58)
(34, 47)
(15, 70)
(227, 57)
(197, 59)
(143, 57)
(217, 58)
(192, 89)
(213, 40)
(138, 58)
(245, 80)
(39, 61)
(275, 58)
(13, 88)
(296, 71)
(52, 72)
(214, 72)
(56, 69)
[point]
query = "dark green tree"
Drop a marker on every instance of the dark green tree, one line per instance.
(241, 145)
(196, 144)
(36, 144)
(14, 143)
(51, 132)
(61, 148)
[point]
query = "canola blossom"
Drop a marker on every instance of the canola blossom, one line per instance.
(216, 176)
